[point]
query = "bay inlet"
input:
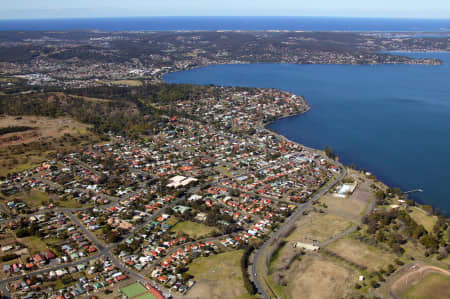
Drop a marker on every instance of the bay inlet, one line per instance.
(393, 120)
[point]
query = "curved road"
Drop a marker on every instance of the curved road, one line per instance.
(285, 227)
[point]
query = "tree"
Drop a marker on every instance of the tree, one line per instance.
(380, 236)
(390, 269)
(112, 237)
(249, 285)
(380, 194)
(329, 152)
(429, 241)
(22, 232)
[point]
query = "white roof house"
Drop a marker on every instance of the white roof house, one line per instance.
(180, 180)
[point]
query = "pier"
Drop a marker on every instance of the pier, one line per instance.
(413, 191)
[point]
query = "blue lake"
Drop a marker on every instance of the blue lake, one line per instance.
(393, 120)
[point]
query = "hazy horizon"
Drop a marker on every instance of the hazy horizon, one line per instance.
(52, 9)
(221, 16)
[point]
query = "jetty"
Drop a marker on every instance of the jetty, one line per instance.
(413, 191)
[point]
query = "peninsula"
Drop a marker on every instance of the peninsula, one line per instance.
(117, 184)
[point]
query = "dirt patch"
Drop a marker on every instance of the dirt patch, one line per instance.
(24, 150)
(319, 228)
(126, 83)
(354, 205)
(315, 277)
(361, 253)
(218, 276)
(414, 280)
(44, 128)
(349, 208)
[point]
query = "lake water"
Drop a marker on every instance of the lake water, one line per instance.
(393, 120)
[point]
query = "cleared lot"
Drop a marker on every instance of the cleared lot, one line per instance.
(361, 254)
(218, 276)
(316, 277)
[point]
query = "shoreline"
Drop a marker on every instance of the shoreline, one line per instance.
(161, 75)
(417, 203)
(265, 126)
(416, 52)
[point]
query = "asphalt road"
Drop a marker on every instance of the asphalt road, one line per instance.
(102, 251)
(369, 209)
(285, 228)
(105, 251)
(85, 231)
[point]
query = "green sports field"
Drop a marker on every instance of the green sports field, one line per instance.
(133, 290)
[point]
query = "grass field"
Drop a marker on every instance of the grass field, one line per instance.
(218, 276)
(434, 286)
(192, 229)
(132, 83)
(44, 128)
(146, 296)
(227, 171)
(70, 203)
(23, 150)
(133, 290)
(415, 250)
(34, 244)
(172, 221)
(11, 79)
(319, 227)
(23, 161)
(362, 254)
(33, 198)
(421, 217)
(349, 208)
(315, 277)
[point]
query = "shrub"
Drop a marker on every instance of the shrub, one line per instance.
(249, 285)
(8, 257)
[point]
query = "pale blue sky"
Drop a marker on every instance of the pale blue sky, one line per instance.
(11, 9)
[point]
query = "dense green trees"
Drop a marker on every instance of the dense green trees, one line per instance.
(129, 110)
(18, 53)
(14, 129)
(386, 227)
(8, 257)
(115, 116)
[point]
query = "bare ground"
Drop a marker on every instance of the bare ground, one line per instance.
(316, 277)
(45, 128)
(318, 227)
(218, 276)
(361, 253)
(412, 276)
